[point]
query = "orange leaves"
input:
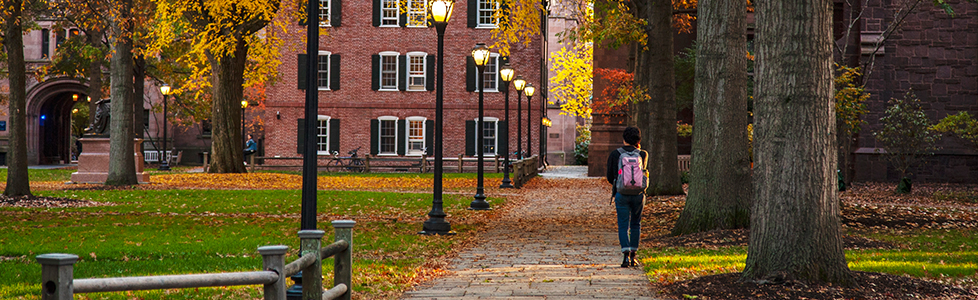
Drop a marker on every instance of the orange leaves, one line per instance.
(288, 181)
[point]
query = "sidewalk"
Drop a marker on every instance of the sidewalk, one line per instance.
(559, 241)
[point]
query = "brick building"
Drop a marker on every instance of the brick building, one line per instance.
(376, 83)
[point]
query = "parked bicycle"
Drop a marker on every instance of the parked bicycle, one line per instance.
(352, 163)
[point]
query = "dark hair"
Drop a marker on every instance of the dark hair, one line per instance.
(632, 135)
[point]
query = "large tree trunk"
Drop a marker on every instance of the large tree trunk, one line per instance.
(122, 162)
(719, 190)
(656, 117)
(13, 42)
(228, 79)
(795, 229)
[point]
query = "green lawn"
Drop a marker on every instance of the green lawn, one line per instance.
(193, 231)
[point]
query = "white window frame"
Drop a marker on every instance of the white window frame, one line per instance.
(493, 58)
(424, 72)
(380, 142)
(325, 9)
(480, 135)
(320, 71)
(397, 13)
(397, 73)
(411, 13)
(319, 135)
(407, 132)
(480, 10)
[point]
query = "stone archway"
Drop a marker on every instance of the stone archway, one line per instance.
(49, 106)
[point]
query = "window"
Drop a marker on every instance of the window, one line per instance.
(387, 136)
(416, 71)
(389, 11)
(388, 71)
(415, 135)
(322, 135)
(489, 136)
(323, 66)
(324, 7)
(45, 43)
(417, 13)
(487, 14)
(491, 75)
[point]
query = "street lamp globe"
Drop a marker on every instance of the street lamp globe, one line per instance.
(441, 10)
(519, 83)
(506, 72)
(244, 104)
(529, 89)
(165, 89)
(480, 54)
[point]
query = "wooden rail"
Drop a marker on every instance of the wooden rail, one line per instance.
(57, 282)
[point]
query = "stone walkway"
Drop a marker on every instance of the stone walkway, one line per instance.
(558, 242)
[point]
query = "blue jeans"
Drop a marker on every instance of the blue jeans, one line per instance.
(629, 208)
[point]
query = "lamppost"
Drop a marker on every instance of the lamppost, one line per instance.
(165, 165)
(441, 12)
(481, 56)
(506, 74)
(528, 90)
(244, 104)
(520, 84)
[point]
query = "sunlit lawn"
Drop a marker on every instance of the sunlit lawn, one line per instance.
(947, 255)
(155, 232)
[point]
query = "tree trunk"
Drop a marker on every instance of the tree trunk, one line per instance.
(656, 117)
(94, 75)
(17, 181)
(795, 229)
(228, 79)
(720, 180)
(122, 163)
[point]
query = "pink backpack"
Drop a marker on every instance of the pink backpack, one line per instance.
(631, 173)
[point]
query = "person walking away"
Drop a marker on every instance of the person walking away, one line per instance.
(629, 179)
(250, 148)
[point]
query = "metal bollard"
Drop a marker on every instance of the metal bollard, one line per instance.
(273, 259)
(312, 283)
(57, 274)
(343, 261)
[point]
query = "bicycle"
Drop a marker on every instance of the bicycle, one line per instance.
(353, 164)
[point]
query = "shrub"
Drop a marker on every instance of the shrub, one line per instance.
(581, 144)
(905, 136)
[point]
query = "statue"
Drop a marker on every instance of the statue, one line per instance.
(100, 124)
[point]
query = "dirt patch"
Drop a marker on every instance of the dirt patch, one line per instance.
(871, 286)
(740, 237)
(45, 202)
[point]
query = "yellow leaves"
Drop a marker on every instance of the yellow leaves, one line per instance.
(571, 84)
(519, 22)
(288, 181)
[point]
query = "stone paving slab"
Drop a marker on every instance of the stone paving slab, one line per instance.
(554, 244)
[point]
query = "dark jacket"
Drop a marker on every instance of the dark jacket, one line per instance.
(613, 163)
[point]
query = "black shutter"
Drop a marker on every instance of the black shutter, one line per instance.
(402, 15)
(334, 135)
(473, 10)
(502, 137)
(470, 137)
(402, 72)
(470, 71)
(336, 13)
(301, 139)
(376, 13)
(429, 136)
(301, 65)
(401, 137)
(504, 7)
(375, 72)
(429, 74)
(374, 136)
(334, 72)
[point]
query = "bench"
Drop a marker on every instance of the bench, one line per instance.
(397, 163)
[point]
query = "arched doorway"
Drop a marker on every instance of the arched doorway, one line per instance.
(49, 120)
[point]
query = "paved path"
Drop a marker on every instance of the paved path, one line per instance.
(557, 242)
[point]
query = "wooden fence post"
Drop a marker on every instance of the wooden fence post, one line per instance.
(343, 261)
(273, 259)
(312, 276)
(57, 275)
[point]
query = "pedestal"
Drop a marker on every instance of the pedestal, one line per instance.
(93, 163)
(605, 137)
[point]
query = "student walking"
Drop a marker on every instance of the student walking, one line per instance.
(629, 178)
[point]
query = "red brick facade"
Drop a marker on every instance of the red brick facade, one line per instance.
(356, 103)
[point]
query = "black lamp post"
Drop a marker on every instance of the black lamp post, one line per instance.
(441, 12)
(506, 74)
(165, 165)
(481, 56)
(520, 84)
(528, 90)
